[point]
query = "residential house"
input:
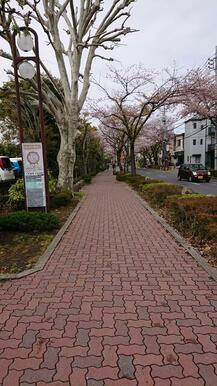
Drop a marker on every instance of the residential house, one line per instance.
(199, 142)
(179, 148)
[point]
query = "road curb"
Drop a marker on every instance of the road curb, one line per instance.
(212, 272)
(49, 251)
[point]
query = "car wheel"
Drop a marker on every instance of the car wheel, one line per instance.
(207, 180)
(190, 179)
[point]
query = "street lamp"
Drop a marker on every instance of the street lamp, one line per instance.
(25, 41)
(35, 173)
(26, 70)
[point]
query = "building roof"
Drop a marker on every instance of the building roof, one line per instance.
(196, 118)
(179, 135)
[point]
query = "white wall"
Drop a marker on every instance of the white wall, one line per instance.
(198, 134)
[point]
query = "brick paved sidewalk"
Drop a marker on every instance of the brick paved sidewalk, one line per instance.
(118, 304)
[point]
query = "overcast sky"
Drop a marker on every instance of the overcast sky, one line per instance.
(170, 31)
(184, 31)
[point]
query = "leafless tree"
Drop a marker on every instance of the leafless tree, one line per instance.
(88, 27)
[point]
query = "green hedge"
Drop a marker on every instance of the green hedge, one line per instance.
(122, 176)
(60, 199)
(28, 221)
(87, 179)
(136, 181)
(157, 193)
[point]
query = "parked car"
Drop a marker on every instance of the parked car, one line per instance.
(6, 170)
(17, 165)
(194, 172)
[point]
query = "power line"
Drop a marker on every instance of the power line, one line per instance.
(201, 129)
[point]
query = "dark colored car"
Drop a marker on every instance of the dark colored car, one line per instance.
(194, 172)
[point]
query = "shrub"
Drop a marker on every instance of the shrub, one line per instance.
(79, 195)
(157, 193)
(172, 200)
(135, 181)
(28, 221)
(87, 179)
(16, 192)
(213, 254)
(197, 215)
(60, 199)
(52, 183)
(122, 176)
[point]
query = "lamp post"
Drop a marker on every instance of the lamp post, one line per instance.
(35, 169)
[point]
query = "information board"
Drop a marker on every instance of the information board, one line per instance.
(33, 166)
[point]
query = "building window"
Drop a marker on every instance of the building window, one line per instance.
(195, 125)
(178, 142)
(201, 141)
(194, 142)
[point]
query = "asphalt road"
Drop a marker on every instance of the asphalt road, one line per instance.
(171, 176)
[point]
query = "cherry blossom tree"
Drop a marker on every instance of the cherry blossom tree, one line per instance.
(200, 95)
(200, 98)
(155, 135)
(137, 96)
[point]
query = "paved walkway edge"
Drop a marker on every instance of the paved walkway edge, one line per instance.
(49, 251)
(212, 272)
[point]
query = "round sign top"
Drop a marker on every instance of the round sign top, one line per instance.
(25, 42)
(26, 70)
(33, 157)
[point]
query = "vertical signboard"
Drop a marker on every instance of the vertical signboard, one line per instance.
(33, 166)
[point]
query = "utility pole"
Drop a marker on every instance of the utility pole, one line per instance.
(215, 148)
(212, 65)
(164, 147)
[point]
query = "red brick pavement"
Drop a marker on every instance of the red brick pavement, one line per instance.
(120, 303)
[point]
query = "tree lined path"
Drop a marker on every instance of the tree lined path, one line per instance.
(119, 303)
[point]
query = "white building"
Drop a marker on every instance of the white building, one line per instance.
(179, 148)
(199, 142)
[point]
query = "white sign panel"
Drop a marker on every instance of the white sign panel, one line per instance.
(34, 174)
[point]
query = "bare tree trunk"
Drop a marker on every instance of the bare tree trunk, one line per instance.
(66, 160)
(67, 152)
(119, 152)
(132, 159)
(126, 166)
(84, 156)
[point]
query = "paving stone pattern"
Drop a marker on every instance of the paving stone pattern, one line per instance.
(119, 303)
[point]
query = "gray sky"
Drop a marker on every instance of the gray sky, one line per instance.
(170, 31)
(184, 31)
